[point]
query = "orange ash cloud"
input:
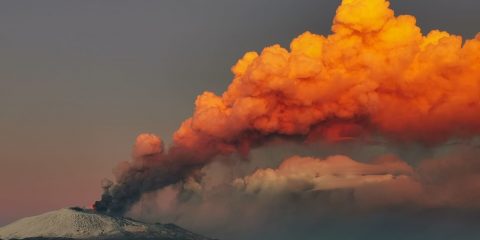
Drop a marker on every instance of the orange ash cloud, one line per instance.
(376, 71)
(376, 74)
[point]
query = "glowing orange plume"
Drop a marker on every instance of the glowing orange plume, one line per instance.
(375, 70)
(376, 74)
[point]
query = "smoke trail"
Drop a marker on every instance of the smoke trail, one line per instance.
(376, 74)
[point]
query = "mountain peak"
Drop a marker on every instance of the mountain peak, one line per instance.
(79, 223)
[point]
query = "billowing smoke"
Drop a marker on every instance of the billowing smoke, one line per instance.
(376, 75)
(316, 196)
(147, 145)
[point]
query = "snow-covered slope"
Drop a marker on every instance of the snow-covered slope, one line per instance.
(76, 223)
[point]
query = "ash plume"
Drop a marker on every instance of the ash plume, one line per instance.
(375, 75)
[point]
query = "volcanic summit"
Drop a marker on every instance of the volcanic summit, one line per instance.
(78, 223)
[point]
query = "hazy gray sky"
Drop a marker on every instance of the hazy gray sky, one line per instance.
(80, 79)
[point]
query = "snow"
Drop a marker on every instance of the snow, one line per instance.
(86, 224)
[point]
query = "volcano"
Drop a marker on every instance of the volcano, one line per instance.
(86, 224)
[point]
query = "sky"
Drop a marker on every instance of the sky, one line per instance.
(80, 80)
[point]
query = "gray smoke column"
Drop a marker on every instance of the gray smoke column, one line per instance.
(376, 74)
(146, 173)
(153, 169)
